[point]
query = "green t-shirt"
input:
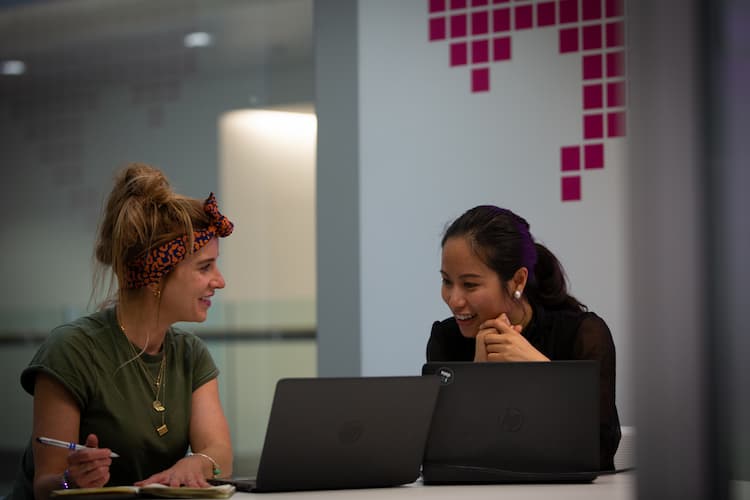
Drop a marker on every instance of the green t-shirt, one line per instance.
(90, 358)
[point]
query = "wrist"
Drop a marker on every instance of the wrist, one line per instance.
(215, 469)
(65, 481)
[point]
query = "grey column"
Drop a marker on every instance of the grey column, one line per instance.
(337, 183)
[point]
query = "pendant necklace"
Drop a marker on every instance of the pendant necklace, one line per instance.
(159, 383)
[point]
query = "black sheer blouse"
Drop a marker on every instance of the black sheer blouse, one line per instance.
(559, 335)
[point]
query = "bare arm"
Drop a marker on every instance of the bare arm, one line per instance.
(209, 435)
(209, 430)
(56, 415)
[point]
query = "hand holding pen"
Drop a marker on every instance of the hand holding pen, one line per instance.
(69, 446)
(88, 465)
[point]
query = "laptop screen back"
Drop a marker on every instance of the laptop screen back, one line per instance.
(331, 433)
(519, 417)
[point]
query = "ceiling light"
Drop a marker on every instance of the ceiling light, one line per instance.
(12, 67)
(198, 39)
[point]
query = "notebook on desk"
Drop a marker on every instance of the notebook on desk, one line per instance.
(514, 422)
(334, 433)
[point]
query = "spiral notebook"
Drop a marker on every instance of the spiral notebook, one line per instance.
(334, 433)
(514, 422)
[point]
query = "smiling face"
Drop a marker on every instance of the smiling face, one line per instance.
(189, 287)
(473, 292)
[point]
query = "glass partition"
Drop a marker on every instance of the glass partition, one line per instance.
(86, 87)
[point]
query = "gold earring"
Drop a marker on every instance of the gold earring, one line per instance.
(157, 293)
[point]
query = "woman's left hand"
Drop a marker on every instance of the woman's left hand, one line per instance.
(504, 342)
(188, 471)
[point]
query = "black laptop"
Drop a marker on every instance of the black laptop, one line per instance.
(514, 422)
(334, 433)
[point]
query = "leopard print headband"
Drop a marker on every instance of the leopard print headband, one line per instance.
(157, 263)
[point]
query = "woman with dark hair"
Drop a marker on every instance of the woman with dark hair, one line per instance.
(509, 300)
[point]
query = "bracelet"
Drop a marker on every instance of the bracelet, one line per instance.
(65, 480)
(216, 469)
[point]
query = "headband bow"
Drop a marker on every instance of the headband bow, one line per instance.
(158, 262)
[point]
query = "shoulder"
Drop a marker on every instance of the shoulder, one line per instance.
(447, 328)
(593, 327)
(69, 348)
(591, 336)
(83, 334)
(191, 354)
(572, 320)
(447, 344)
(184, 337)
(187, 343)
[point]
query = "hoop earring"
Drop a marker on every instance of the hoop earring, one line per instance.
(517, 294)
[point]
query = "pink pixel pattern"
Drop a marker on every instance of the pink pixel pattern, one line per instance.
(480, 32)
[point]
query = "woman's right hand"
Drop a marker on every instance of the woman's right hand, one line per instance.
(89, 468)
(489, 333)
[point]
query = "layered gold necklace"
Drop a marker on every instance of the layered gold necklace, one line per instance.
(159, 383)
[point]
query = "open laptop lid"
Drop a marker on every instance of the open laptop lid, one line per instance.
(514, 422)
(332, 433)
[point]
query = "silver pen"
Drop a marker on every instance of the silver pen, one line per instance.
(70, 446)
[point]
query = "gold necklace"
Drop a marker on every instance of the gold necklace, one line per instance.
(159, 384)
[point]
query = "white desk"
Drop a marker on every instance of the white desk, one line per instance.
(611, 487)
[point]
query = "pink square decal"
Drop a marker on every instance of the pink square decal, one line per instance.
(615, 64)
(616, 124)
(571, 188)
(592, 37)
(592, 9)
(459, 56)
(568, 40)
(501, 48)
(437, 28)
(593, 126)
(477, 3)
(593, 97)
(479, 22)
(615, 34)
(592, 67)
(480, 51)
(480, 80)
(436, 6)
(500, 20)
(614, 8)
(615, 94)
(593, 156)
(570, 158)
(458, 26)
(458, 4)
(500, 1)
(524, 17)
(568, 11)
(545, 14)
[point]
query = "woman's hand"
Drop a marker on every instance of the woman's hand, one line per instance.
(188, 471)
(89, 468)
(498, 340)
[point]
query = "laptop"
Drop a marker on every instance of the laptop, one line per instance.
(514, 422)
(336, 433)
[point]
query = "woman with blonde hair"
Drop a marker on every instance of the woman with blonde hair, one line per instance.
(124, 379)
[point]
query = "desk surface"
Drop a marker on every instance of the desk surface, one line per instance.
(619, 486)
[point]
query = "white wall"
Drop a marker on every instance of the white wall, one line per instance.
(430, 149)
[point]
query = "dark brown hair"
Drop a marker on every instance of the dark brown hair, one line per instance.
(502, 240)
